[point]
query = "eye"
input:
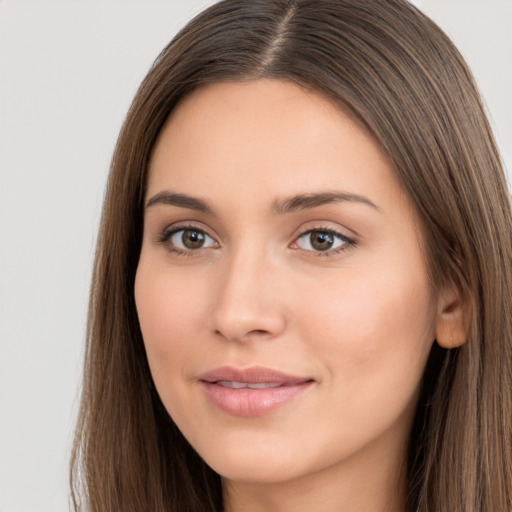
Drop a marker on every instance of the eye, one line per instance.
(188, 239)
(323, 241)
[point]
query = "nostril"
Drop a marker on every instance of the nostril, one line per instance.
(258, 331)
(255, 333)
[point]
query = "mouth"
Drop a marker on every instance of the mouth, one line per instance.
(253, 391)
(251, 385)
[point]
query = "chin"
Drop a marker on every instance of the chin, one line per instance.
(257, 472)
(256, 462)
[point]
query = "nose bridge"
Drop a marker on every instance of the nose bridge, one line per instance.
(247, 301)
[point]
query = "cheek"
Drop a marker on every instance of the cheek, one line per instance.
(373, 329)
(169, 312)
(373, 340)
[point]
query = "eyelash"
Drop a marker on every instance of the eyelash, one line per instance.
(348, 242)
(169, 233)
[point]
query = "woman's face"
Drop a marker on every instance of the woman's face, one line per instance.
(282, 290)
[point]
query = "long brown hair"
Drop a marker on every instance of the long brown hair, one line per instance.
(402, 78)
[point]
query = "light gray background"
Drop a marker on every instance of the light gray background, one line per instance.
(69, 69)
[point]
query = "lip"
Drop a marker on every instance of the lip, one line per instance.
(223, 387)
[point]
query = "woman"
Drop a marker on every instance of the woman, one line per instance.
(303, 278)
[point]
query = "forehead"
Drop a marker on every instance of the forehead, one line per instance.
(266, 139)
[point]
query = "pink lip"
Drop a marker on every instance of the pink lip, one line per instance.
(252, 402)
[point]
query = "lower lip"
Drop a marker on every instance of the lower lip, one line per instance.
(253, 402)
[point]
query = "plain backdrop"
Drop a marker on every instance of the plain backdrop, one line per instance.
(69, 69)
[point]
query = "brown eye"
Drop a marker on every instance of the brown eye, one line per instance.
(322, 240)
(190, 239)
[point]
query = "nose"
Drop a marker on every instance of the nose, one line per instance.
(248, 303)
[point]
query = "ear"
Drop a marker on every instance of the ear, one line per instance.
(452, 323)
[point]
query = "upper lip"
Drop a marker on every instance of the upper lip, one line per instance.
(252, 375)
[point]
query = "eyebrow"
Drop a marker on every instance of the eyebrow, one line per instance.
(308, 201)
(296, 203)
(167, 197)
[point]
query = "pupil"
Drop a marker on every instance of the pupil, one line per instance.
(321, 241)
(192, 239)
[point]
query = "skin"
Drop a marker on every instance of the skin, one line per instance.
(358, 321)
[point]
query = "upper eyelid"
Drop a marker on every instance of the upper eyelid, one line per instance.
(324, 229)
(347, 239)
(179, 226)
(343, 233)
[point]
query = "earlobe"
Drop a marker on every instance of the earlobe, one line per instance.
(452, 319)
